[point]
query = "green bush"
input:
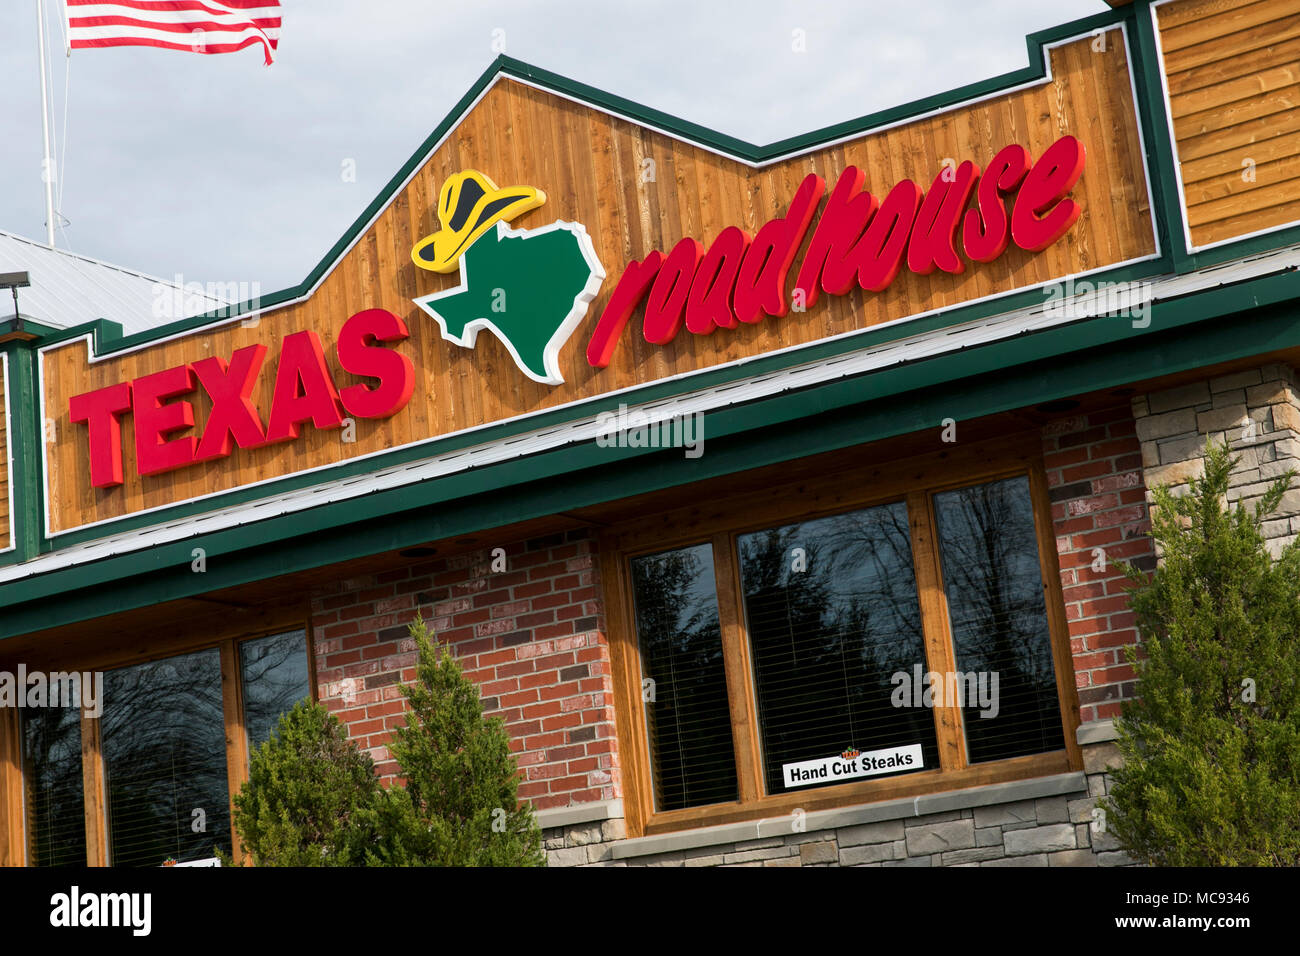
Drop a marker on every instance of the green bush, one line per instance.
(458, 806)
(1211, 749)
(312, 797)
(308, 786)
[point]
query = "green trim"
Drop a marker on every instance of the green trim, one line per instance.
(1161, 161)
(29, 326)
(27, 436)
(1083, 357)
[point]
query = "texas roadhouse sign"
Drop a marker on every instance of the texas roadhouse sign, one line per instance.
(532, 288)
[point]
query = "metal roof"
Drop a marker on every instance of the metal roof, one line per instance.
(69, 290)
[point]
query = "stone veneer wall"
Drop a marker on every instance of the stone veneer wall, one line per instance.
(1257, 411)
(998, 830)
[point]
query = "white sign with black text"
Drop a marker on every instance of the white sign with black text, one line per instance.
(850, 764)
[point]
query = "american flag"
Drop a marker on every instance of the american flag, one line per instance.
(200, 26)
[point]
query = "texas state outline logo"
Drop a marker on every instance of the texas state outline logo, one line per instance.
(529, 287)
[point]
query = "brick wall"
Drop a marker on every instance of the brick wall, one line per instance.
(531, 636)
(1099, 510)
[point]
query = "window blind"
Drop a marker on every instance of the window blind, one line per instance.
(994, 584)
(832, 614)
(52, 777)
(164, 747)
(688, 718)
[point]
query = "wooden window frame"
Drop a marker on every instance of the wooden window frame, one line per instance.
(13, 851)
(821, 493)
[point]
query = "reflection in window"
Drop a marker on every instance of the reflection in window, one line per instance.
(56, 816)
(274, 677)
(999, 622)
(832, 614)
(687, 715)
(164, 748)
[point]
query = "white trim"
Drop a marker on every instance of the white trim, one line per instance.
(93, 359)
(890, 354)
(1178, 163)
(9, 451)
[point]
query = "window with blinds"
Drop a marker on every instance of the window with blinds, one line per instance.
(845, 647)
(163, 740)
(994, 584)
(274, 675)
(684, 687)
(52, 786)
(832, 614)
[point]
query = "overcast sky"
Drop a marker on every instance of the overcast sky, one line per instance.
(221, 169)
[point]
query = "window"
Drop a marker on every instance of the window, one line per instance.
(56, 833)
(831, 612)
(685, 691)
(828, 647)
(163, 758)
(164, 751)
(999, 621)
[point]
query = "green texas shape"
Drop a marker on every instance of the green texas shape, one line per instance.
(531, 287)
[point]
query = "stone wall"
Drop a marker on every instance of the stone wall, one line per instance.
(1057, 829)
(1257, 411)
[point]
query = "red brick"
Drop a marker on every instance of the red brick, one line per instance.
(1108, 416)
(1082, 592)
(558, 690)
(548, 631)
(526, 621)
(561, 721)
(1114, 675)
(513, 667)
(551, 601)
(1062, 459)
(1088, 470)
(1093, 504)
(532, 589)
(518, 698)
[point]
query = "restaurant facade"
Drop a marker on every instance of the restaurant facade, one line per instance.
(776, 498)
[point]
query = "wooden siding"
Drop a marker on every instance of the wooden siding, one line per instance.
(1233, 71)
(590, 165)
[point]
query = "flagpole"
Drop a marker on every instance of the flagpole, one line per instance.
(47, 169)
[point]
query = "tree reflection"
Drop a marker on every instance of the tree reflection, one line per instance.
(275, 677)
(999, 623)
(687, 713)
(829, 624)
(164, 747)
(56, 822)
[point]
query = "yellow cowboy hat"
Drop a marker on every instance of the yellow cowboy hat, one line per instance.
(469, 204)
